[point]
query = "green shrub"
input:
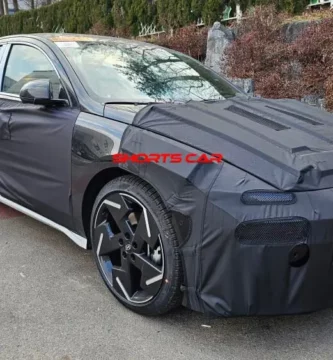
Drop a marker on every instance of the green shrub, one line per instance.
(72, 15)
(125, 16)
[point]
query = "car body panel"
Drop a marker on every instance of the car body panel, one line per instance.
(59, 152)
(35, 172)
(122, 112)
(283, 142)
(65, 213)
(95, 140)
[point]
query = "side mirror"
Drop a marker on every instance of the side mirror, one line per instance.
(39, 92)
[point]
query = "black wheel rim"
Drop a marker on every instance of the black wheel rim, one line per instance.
(129, 248)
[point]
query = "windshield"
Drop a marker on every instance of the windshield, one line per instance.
(120, 70)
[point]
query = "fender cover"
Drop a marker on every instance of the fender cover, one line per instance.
(222, 275)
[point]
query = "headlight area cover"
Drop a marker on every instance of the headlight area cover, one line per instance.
(261, 197)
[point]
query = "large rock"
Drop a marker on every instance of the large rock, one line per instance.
(219, 38)
(293, 30)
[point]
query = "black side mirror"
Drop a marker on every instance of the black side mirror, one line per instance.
(39, 92)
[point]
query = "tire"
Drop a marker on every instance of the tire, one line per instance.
(145, 273)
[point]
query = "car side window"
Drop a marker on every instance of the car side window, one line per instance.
(25, 64)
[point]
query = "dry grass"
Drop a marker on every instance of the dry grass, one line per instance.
(311, 15)
(280, 69)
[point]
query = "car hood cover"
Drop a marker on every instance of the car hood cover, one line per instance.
(284, 142)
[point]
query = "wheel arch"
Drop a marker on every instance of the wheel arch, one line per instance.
(182, 223)
(92, 190)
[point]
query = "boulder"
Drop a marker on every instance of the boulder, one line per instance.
(293, 30)
(219, 38)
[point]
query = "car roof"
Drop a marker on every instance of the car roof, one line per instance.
(59, 37)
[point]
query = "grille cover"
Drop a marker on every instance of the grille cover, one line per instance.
(273, 231)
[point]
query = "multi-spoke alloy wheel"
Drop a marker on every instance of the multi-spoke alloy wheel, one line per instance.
(129, 223)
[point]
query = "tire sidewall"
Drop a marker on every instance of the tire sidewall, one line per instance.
(168, 238)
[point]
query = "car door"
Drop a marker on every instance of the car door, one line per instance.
(35, 141)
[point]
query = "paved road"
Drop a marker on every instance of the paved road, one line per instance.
(53, 305)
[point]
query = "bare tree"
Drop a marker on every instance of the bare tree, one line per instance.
(5, 7)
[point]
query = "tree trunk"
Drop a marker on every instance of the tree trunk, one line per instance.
(5, 7)
(32, 4)
(1, 8)
(15, 5)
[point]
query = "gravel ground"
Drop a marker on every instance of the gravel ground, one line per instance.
(54, 305)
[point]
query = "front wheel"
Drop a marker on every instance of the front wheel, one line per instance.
(135, 246)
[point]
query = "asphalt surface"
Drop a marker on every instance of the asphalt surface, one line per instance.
(54, 305)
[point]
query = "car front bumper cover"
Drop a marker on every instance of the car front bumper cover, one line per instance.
(230, 272)
(262, 259)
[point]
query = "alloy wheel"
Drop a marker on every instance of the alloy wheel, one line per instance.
(129, 248)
